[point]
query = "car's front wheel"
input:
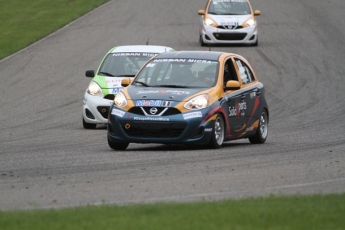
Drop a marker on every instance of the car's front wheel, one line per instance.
(88, 125)
(217, 137)
(117, 145)
(262, 131)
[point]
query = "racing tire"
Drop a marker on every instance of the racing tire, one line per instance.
(262, 131)
(88, 125)
(202, 43)
(217, 137)
(117, 145)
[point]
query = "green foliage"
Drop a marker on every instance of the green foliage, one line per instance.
(25, 22)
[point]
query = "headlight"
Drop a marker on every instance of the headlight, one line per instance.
(210, 22)
(250, 22)
(94, 89)
(199, 102)
(120, 100)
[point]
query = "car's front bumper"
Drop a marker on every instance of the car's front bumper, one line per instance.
(175, 129)
(211, 35)
(96, 109)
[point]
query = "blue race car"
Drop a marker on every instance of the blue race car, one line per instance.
(190, 97)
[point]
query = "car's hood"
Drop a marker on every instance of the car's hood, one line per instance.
(229, 19)
(164, 94)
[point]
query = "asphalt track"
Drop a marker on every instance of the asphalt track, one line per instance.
(47, 160)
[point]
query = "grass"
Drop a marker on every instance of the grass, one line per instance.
(25, 22)
(273, 212)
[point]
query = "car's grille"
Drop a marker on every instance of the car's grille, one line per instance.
(153, 129)
(103, 110)
(229, 36)
(226, 28)
(109, 97)
(168, 112)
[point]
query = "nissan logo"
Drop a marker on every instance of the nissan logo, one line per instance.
(153, 110)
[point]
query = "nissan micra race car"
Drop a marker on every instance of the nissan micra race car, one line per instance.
(190, 97)
(228, 22)
(119, 62)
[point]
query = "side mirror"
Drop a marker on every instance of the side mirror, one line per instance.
(257, 12)
(201, 12)
(126, 82)
(232, 85)
(90, 73)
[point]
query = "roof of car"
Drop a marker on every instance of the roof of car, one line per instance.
(208, 55)
(142, 48)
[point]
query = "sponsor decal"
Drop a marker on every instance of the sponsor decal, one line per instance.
(166, 103)
(187, 116)
(232, 111)
(157, 103)
(252, 95)
(117, 112)
(114, 80)
(148, 91)
(208, 130)
(115, 90)
(151, 119)
(181, 60)
(242, 105)
(175, 92)
(228, 23)
(178, 92)
(133, 54)
(238, 109)
(200, 61)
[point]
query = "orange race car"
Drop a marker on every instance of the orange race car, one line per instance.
(190, 97)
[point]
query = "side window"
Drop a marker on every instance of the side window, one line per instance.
(229, 71)
(245, 73)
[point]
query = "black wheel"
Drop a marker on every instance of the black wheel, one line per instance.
(262, 131)
(88, 125)
(202, 43)
(118, 145)
(217, 137)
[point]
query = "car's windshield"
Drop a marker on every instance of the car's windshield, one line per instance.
(123, 64)
(229, 7)
(178, 73)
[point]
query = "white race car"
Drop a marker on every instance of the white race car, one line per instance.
(120, 62)
(228, 22)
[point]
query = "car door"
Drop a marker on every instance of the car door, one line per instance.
(236, 101)
(249, 92)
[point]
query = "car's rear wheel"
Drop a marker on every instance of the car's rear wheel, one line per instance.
(117, 145)
(88, 125)
(217, 137)
(262, 131)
